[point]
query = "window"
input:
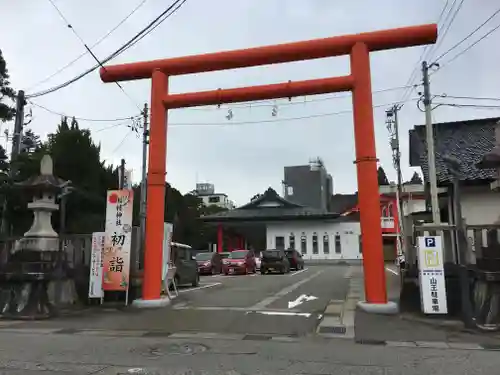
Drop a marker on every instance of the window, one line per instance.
(280, 242)
(360, 244)
(303, 243)
(338, 244)
(289, 190)
(315, 243)
(326, 244)
(292, 241)
(213, 199)
(390, 212)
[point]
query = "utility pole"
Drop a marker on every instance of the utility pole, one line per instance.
(429, 131)
(16, 150)
(145, 142)
(393, 127)
(121, 183)
(66, 189)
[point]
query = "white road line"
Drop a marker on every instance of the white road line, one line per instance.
(391, 271)
(297, 272)
(267, 301)
(282, 313)
(199, 287)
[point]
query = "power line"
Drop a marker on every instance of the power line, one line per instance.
(478, 106)
(104, 37)
(445, 32)
(134, 117)
(82, 118)
(425, 52)
(89, 50)
(470, 97)
(446, 63)
(318, 115)
(121, 142)
(145, 31)
(467, 37)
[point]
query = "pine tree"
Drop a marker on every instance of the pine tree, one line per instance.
(7, 94)
(382, 177)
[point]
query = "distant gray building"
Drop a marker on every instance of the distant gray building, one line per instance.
(309, 185)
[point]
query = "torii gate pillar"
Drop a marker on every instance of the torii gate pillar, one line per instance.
(358, 46)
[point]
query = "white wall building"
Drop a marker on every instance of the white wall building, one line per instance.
(317, 234)
(206, 192)
(321, 240)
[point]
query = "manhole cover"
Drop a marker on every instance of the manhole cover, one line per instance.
(169, 349)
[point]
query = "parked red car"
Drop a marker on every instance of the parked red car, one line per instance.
(239, 261)
(209, 263)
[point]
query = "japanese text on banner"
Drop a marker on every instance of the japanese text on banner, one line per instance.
(118, 239)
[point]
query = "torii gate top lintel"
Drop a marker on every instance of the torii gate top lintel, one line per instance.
(274, 54)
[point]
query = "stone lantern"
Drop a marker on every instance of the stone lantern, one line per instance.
(33, 262)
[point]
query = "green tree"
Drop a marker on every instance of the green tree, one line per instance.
(7, 94)
(30, 141)
(382, 177)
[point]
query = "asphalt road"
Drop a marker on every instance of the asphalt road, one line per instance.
(259, 304)
(32, 353)
(248, 304)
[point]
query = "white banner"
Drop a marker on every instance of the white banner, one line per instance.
(96, 265)
(431, 275)
(127, 180)
(116, 255)
(168, 230)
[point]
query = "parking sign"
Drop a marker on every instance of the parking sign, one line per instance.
(430, 242)
(431, 275)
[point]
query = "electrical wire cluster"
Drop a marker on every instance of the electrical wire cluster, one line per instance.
(168, 12)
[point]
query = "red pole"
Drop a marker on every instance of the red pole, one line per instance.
(155, 208)
(220, 238)
(366, 165)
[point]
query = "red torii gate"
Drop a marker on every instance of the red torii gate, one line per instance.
(358, 46)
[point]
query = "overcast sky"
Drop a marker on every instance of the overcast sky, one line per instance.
(245, 155)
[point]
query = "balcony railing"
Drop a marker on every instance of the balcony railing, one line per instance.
(388, 223)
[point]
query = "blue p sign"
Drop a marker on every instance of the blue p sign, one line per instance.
(430, 242)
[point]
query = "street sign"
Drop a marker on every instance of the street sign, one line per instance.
(431, 275)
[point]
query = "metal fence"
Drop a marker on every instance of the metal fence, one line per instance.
(481, 240)
(77, 249)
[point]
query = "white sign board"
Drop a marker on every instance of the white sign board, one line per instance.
(431, 275)
(116, 255)
(168, 229)
(96, 265)
(127, 179)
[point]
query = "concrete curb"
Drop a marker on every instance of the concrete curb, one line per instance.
(432, 345)
(338, 321)
(155, 334)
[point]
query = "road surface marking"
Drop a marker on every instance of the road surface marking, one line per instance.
(267, 301)
(281, 313)
(199, 287)
(392, 271)
(300, 300)
(297, 272)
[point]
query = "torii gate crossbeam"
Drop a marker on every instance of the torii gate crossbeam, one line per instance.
(358, 46)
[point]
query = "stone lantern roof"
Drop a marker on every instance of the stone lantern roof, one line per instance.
(45, 181)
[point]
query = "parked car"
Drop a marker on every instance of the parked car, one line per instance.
(274, 261)
(209, 263)
(295, 259)
(239, 261)
(225, 255)
(186, 265)
(258, 261)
